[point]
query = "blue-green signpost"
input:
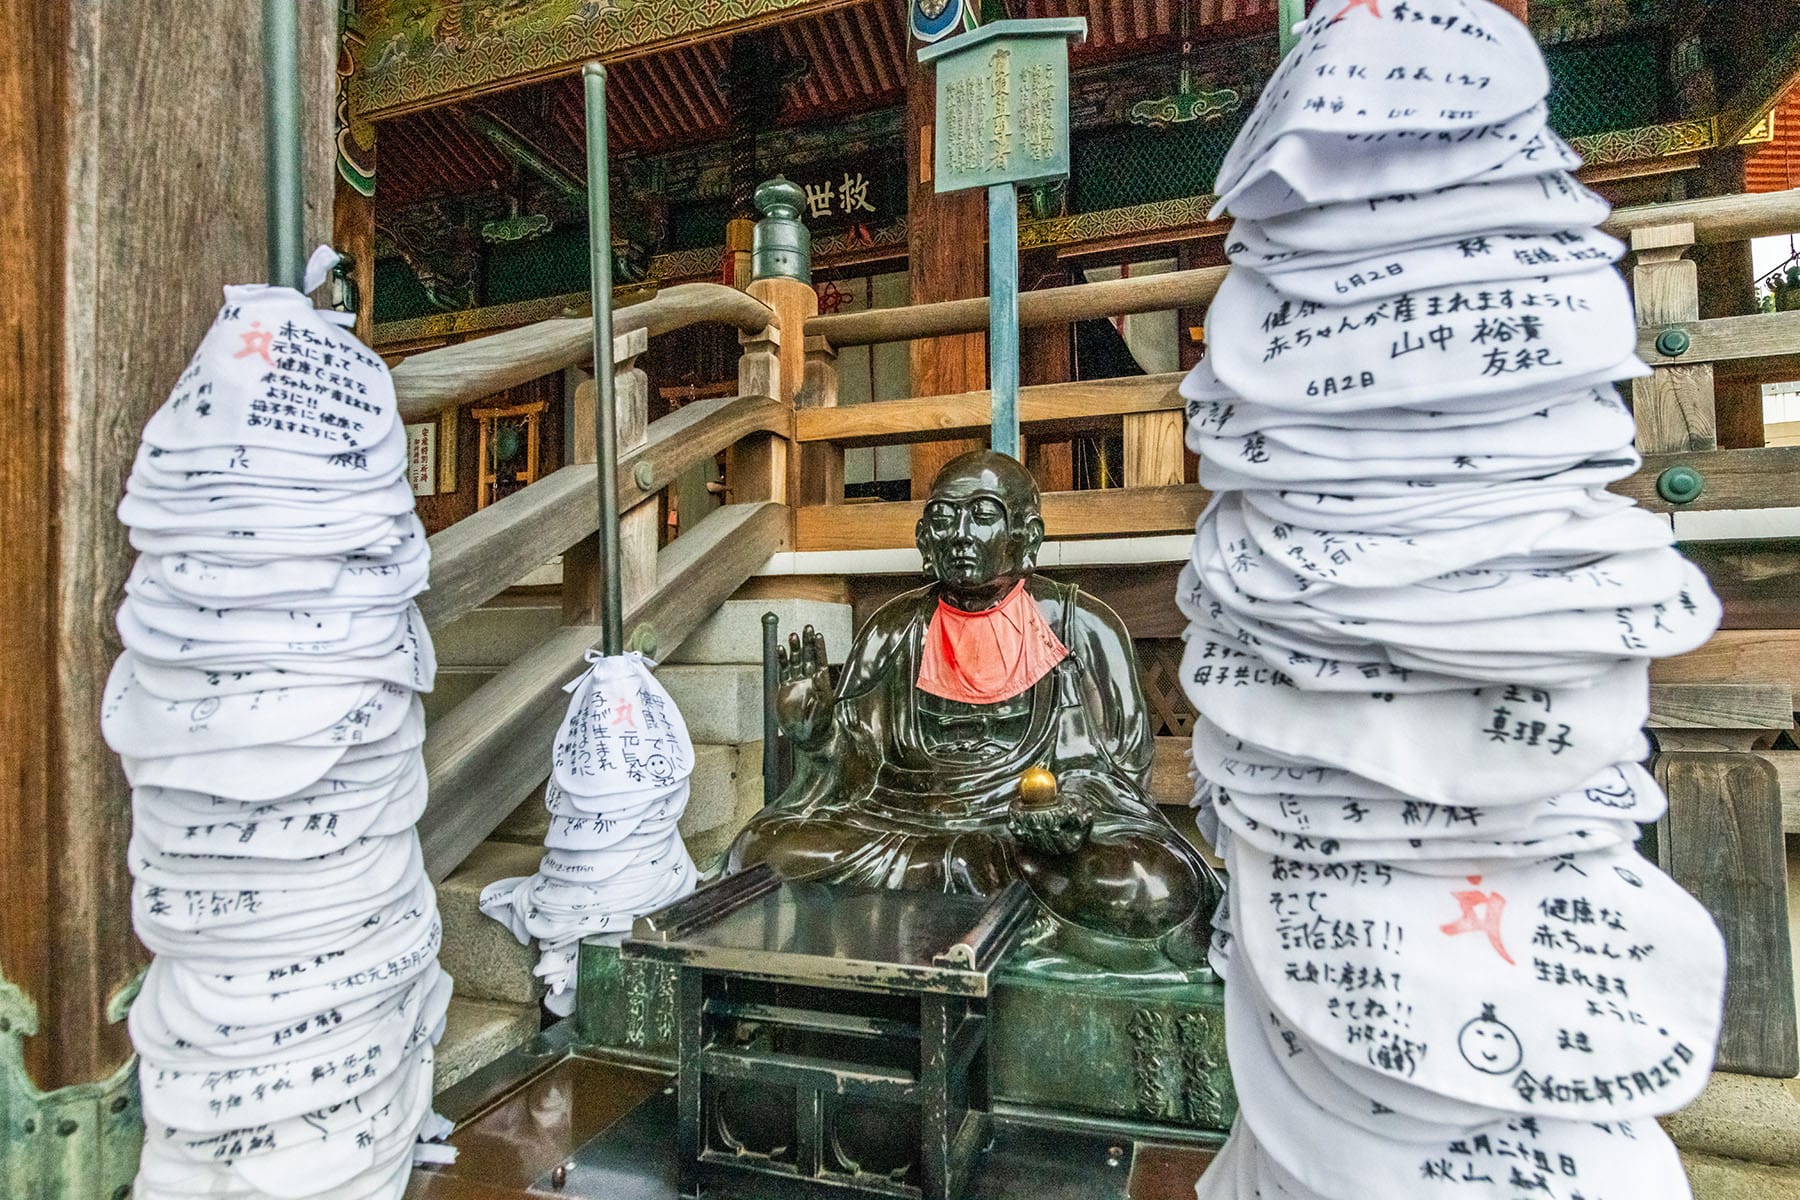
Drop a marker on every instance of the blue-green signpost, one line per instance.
(1003, 120)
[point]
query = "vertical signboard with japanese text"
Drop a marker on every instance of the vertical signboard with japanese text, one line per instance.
(1003, 120)
(1003, 104)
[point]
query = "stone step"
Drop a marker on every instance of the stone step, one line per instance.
(1744, 1117)
(527, 824)
(721, 798)
(476, 1032)
(487, 961)
(734, 633)
(721, 702)
(453, 686)
(1713, 1178)
(495, 634)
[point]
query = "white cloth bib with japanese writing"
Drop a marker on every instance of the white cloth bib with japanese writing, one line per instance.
(1446, 67)
(1474, 746)
(203, 468)
(272, 372)
(1247, 578)
(1341, 1159)
(1555, 437)
(1303, 170)
(1333, 235)
(194, 1095)
(1478, 258)
(315, 1155)
(1584, 987)
(1463, 343)
(135, 721)
(1443, 857)
(621, 734)
(573, 828)
(1624, 791)
(1216, 409)
(1300, 1062)
(1365, 560)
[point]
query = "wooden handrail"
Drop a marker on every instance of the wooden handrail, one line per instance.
(1716, 218)
(1765, 477)
(1050, 306)
(485, 756)
(487, 552)
(1109, 512)
(430, 382)
(1759, 336)
(1734, 479)
(1044, 409)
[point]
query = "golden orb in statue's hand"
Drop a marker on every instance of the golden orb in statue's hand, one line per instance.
(1037, 788)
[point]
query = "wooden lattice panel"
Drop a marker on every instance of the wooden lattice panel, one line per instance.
(1159, 671)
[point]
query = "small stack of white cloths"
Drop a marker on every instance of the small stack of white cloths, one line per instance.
(618, 785)
(267, 714)
(1419, 644)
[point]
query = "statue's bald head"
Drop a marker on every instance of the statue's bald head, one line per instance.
(988, 472)
(981, 528)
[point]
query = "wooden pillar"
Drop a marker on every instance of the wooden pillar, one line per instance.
(1674, 407)
(353, 214)
(582, 570)
(1721, 836)
(1154, 453)
(756, 467)
(946, 257)
(1727, 281)
(1721, 839)
(738, 232)
(117, 250)
(794, 303)
(1153, 448)
(353, 235)
(820, 478)
(1045, 356)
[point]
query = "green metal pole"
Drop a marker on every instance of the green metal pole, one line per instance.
(1003, 316)
(281, 143)
(1291, 13)
(606, 433)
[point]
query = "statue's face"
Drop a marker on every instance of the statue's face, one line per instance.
(980, 531)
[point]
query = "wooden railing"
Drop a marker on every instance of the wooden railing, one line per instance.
(786, 437)
(1146, 410)
(428, 383)
(487, 754)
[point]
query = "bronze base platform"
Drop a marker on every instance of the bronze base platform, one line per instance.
(550, 1122)
(1112, 1047)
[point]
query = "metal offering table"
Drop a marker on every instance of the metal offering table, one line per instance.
(832, 1037)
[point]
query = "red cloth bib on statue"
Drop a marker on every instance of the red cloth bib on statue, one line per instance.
(988, 656)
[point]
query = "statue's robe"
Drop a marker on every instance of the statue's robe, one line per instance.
(911, 790)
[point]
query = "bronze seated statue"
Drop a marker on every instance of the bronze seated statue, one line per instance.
(988, 727)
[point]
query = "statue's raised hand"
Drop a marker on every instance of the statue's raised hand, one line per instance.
(804, 697)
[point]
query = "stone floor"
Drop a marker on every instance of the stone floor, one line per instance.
(609, 1127)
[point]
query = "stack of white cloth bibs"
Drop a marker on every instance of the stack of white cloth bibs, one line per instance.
(267, 714)
(1419, 644)
(618, 785)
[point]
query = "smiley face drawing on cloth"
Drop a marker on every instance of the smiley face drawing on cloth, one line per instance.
(1489, 1045)
(660, 768)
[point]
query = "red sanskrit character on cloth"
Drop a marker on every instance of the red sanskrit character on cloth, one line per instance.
(1481, 913)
